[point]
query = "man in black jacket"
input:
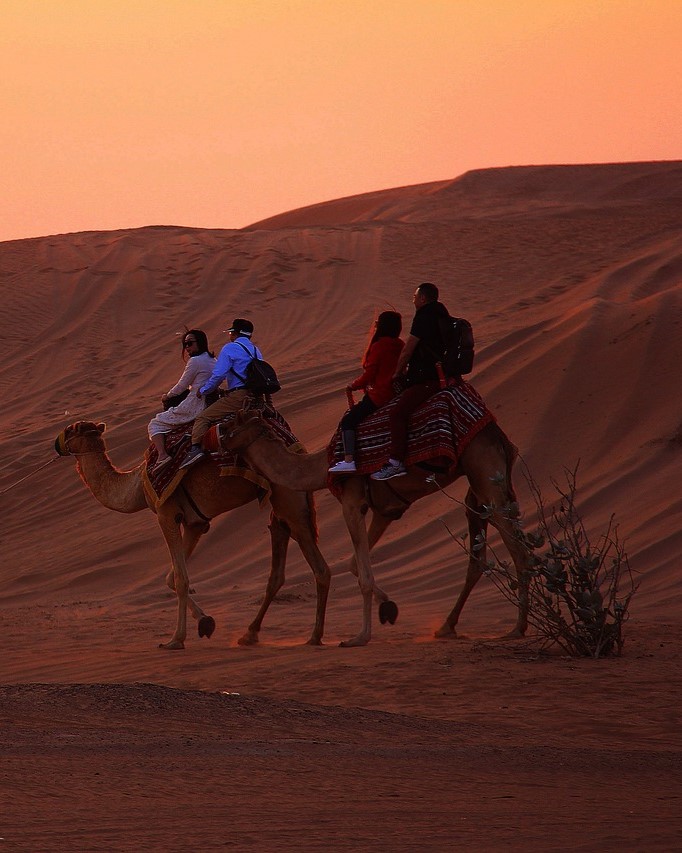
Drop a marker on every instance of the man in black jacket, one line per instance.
(425, 346)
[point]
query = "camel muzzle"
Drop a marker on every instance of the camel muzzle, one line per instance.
(60, 445)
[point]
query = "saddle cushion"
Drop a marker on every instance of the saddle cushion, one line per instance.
(439, 431)
(161, 483)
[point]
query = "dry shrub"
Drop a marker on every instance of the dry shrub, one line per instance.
(579, 589)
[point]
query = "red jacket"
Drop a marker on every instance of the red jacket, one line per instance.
(380, 365)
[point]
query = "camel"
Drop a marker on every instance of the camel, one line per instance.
(486, 463)
(182, 525)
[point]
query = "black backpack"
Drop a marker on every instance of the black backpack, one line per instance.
(260, 376)
(459, 346)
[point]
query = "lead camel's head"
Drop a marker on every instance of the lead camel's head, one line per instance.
(80, 437)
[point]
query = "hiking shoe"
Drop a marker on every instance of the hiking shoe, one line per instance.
(195, 454)
(388, 471)
(343, 467)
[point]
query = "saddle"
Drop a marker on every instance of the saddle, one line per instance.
(439, 431)
(161, 483)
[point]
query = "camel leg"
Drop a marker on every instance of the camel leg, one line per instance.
(299, 511)
(279, 537)
(482, 470)
(173, 536)
(377, 528)
(521, 560)
(388, 609)
(322, 575)
(353, 502)
(477, 528)
(206, 624)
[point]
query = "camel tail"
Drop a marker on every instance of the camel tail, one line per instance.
(511, 452)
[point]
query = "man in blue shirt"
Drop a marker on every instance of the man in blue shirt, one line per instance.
(230, 367)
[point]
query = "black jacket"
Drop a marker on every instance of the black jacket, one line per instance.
(426, 326)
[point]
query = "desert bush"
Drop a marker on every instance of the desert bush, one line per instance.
(579, 588)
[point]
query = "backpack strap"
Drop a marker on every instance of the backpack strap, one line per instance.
(232, 370)
(441, 323)
(438, 362)
(248, 352)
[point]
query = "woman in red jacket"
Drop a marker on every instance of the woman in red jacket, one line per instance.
(378, 366)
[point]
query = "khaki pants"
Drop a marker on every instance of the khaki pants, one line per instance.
(227, 405)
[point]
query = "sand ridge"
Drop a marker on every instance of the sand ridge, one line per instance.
(572, 277)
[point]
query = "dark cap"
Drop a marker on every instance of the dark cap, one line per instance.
(242, 327)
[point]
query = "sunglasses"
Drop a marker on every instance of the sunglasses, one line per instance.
(188, 343)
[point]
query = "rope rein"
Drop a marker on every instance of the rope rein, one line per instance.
(39, 468)
(263, 432)
(49, 462)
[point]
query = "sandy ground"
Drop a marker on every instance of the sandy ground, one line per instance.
(572, 277)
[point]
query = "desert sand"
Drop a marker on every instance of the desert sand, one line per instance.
(572, 278)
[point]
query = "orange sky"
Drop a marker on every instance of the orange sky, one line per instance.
(217, 113)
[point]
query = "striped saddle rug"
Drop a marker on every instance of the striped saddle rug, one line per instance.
(439, 430)
(161, 483)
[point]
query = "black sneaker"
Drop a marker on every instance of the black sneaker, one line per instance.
(388, 471)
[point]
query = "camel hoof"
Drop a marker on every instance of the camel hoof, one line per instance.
(388, 612)
(172, 645)
(249, 639)
(314, 641)
(514, 634)
(445, 631)
(206, 626)
(352, 644)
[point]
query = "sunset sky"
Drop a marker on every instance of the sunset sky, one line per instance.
(217, 113)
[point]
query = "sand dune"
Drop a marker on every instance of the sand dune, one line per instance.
(572, 277)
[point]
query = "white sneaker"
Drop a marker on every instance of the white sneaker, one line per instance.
(388, 471)
(343, 467)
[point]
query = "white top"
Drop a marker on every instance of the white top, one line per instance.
(197, 370)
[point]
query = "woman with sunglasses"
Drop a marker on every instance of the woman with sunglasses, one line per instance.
(199, 367)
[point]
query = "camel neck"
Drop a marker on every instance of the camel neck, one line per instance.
(121, 491)
(302, 472)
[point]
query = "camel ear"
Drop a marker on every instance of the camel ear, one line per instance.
(101, 427)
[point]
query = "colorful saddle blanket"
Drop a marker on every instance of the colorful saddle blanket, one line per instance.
(160, 484)
(439, 431)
